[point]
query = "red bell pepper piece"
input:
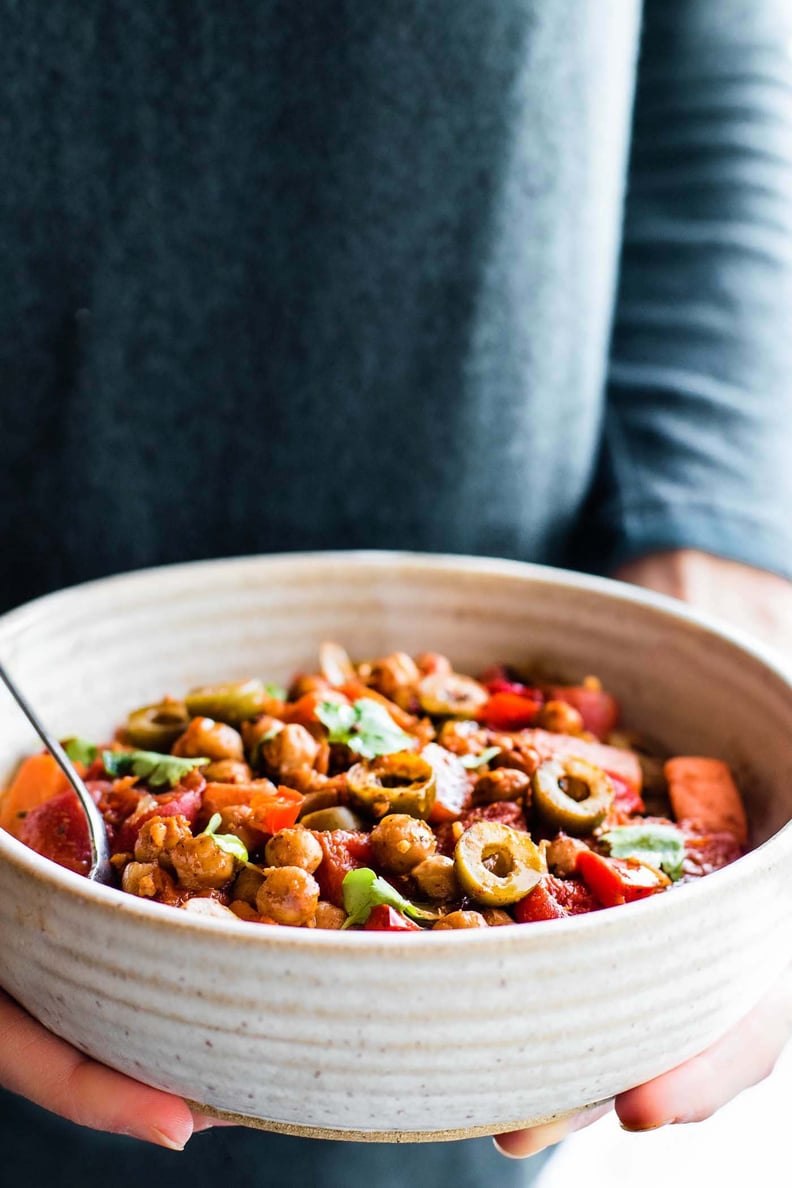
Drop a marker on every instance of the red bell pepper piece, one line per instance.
(618, 880)
(510, 711)
(384, 918)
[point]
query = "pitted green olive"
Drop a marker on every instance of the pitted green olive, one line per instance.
(156, 727)
(337, 817)
(400, 783)
(232, 702)
(571, 794)
(450, 695)
(496, 864)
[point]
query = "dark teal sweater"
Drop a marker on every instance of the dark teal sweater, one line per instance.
(341, 273)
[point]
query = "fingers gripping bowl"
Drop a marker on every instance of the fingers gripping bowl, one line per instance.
(364, 1034)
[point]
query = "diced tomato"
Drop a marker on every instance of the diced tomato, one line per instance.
(626, 799)
(510, 711)
(384, 918)
(554, 898)
(599, 710)
(344, 850)
(58, 830)
(274, 811)
(618, 880)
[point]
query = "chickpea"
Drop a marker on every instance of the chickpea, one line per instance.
(294, 847)
(158, 836)
(461, 920)
(291, 751)
(209, 739)
(308, 683)
(147, 880)
(228, 771)
(288, 895)
(396, 677)
(462, 736)
(515, 752)
(560, 718)
(436, 878)
(253, 732)
(400, 842)
(199, 862)
(504, 783)
(496, 917)
(237, 819)
(328, 916)
(562, 854)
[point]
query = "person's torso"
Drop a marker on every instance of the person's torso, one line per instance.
(302, 276)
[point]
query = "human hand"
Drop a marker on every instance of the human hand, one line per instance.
(760, 603)
(37, 1065)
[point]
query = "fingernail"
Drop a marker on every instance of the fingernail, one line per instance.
(632, 1128)
(165, 1140)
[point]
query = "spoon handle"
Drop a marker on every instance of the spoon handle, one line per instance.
(101, 871)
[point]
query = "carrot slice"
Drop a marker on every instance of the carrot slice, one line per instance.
(38, 779)
(704, 796)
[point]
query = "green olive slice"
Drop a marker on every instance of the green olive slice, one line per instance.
(451, 695)
(337, 817)
(399, 783)
(232, 702)
(156, 727)
(496, 864)
(571, 794)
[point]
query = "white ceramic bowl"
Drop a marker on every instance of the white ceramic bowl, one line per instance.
(370, 1035)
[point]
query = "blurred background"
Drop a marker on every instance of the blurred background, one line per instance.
(745, 1142)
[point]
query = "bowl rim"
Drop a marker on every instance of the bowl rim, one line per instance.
(60, 880)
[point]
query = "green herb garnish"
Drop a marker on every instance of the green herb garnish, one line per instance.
(227, 842)
(276, 692)
(80, 751)
(366, 727)
(157, 770)
(659, 845)
(363, 890)
(471, 762)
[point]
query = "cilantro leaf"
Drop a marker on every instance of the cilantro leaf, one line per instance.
(659, 845)
(362, 890)
(366, 727)
(80, 751)
(157, 770)
(276, 692)
(227, 842)
(471, 762)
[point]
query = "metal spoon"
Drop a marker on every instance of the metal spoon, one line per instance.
(101, 870)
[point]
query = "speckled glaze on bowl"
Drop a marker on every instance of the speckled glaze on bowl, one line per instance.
(370, 1035)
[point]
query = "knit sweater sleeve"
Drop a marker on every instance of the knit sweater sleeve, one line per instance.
(697, 439)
